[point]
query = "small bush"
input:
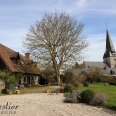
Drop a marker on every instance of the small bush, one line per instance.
(99, 100)
(66, 94)
(87, 96)
(73, 97)
(69, 100)
(112, 82)
(85, 84)
(68, 77)
(68, 88)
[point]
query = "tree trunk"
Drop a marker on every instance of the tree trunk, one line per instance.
(56, 67)
(58, 78)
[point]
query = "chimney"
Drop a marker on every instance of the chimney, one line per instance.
(27, 56)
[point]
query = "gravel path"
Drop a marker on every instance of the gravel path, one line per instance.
(43, 104)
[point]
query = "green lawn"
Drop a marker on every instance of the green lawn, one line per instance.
(109, 90)
(35, 89)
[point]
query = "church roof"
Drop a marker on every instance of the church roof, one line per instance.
(108, 71)
(103, 67)
(109, 46)
(87, 64)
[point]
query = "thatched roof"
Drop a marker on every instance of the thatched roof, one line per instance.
(22, 63)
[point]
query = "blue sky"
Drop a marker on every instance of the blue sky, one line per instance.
(16, 16)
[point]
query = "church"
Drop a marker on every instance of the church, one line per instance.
(108, 66)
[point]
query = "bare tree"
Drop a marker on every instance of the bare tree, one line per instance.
(55, 40)
(93, 74)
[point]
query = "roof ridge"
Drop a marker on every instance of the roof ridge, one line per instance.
(94, 61)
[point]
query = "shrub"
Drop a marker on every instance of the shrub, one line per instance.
(93, 74)
(68, 77)
(112, 82)
(68, 88)
(110, 79)
(73, 97)
(86, 84)
(87, 96)
(81, 78)
(66, 94)
(99, 100)
(10, 77)
(76, 85)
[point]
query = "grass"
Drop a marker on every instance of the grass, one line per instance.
(66, 94)
(35, 89)
(109, 90)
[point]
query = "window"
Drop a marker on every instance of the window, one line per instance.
(22, 62)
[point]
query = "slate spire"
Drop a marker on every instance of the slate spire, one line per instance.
(109, 46)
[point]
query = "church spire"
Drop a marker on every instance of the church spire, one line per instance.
(109, 46)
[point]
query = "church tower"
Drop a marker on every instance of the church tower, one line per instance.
(109, 56)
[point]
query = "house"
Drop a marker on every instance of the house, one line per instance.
(15, 62)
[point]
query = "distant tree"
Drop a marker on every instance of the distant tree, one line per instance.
(68, 77)
(55, 40)
(48, 74)
(94, 74)
(77, 65)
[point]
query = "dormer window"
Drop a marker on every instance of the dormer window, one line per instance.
(14, 56)
(15, 61)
